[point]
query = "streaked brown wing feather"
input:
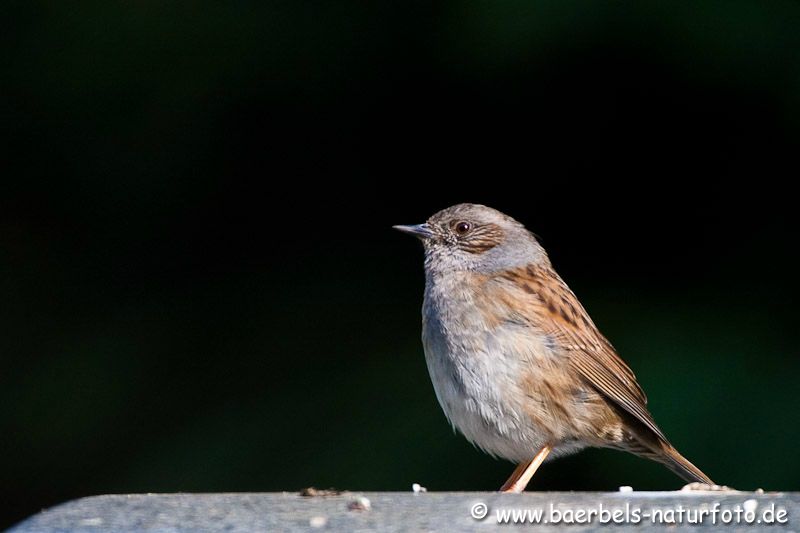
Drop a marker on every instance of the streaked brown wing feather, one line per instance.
(557, 311)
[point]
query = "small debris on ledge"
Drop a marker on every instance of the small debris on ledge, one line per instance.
(360, 503)
(318, 521)
(311, 492)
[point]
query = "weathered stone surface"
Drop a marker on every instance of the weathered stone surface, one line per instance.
(394, 511)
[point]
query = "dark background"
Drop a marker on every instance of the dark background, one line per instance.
(201, 290)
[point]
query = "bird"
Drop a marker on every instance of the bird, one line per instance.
(518, 366)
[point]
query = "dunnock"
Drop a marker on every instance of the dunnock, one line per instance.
(517, 364)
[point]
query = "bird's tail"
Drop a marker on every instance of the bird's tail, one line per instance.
(679, 464)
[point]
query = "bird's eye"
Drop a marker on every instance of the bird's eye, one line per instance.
(463, 227)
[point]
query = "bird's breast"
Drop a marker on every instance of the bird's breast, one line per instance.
(477, 359)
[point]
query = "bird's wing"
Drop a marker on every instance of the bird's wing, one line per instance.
(551, 306)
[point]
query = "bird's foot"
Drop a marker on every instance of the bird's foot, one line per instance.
(697, 486)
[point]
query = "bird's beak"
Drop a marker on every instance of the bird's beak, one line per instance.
(421, 231)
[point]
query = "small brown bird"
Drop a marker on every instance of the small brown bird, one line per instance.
(517, 364)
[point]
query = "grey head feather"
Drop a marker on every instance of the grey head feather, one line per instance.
(495, 242)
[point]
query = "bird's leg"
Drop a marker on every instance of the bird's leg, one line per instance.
(515, 475)
(524, 472)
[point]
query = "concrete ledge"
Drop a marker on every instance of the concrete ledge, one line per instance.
(404, 511)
